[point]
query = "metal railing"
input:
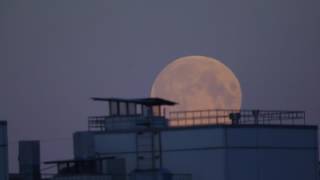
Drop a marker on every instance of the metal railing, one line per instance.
(199, 118)
(109, 123)
(97, 123)
(234, 117)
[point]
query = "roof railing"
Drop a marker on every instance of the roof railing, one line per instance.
(236, 117)
(111, 123)
(199, 118)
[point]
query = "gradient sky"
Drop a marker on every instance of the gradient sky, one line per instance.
(54, 55)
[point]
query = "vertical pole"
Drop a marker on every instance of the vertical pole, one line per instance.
(160, 149)
(226, 165)
(137, 151)
(153, 132)
(109, 105)
(159, 111)
(118, 108)
(127, 108)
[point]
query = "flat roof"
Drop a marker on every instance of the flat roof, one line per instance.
(143, 101)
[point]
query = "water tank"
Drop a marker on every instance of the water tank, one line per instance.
(3, 151)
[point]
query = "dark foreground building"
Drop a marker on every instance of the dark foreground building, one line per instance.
(137, 141)
(3, 151)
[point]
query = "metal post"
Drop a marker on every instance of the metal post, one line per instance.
(160, 149)
(153, 150)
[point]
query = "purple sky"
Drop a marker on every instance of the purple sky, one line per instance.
(54, 55)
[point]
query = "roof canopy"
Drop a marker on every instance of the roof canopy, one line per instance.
(142, 101)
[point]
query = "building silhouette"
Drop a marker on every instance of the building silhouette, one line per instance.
(135, 140)
(3, 151)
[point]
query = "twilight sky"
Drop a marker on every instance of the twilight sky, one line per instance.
(54, 55)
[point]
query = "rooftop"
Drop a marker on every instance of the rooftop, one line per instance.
(141, 101)
(141, 113)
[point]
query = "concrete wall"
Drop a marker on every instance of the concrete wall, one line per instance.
(3, 151)
(228, 152)
(272, 153)
(195, 151)
(121, 145)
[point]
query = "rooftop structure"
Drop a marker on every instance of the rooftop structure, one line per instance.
(144, 143)
(29, 159)
(129, 114)
(3, 151)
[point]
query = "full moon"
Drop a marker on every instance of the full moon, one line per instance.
(198, 83)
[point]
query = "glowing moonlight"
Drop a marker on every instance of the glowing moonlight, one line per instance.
(198, 83)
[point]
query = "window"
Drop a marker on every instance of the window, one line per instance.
(123, 108)
(113, 108)
(132, 108)
(156, 111)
